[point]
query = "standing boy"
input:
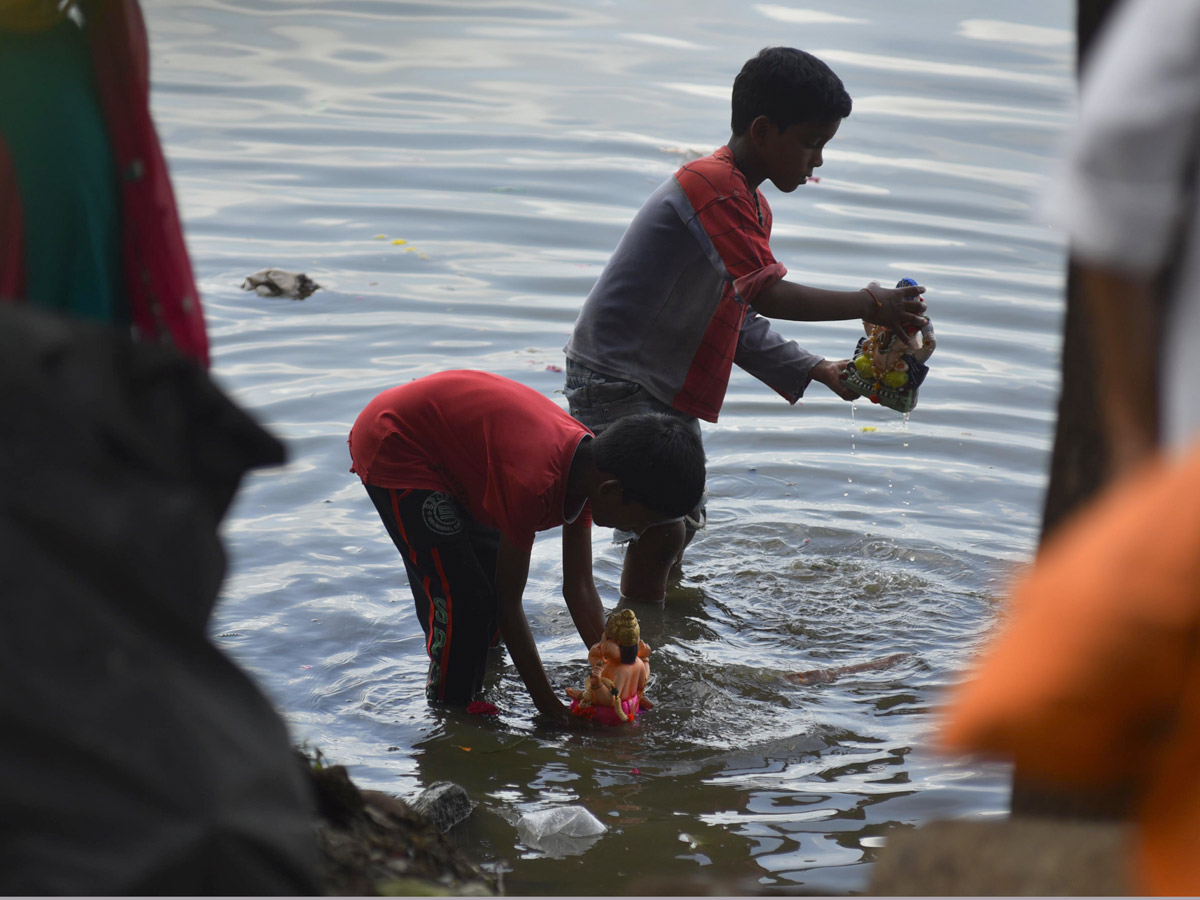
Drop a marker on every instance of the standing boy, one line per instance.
(684, 294)
(465, 467)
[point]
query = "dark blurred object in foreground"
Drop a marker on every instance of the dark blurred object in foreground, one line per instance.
(137, 758)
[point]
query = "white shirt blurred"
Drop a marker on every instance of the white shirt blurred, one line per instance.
(1126, 194)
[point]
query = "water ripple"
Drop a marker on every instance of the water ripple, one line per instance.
(455, 175)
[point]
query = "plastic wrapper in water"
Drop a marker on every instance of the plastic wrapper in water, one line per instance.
(560, 831)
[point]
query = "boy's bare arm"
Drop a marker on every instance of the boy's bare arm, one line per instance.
(579, 585)
(893, 307)
(1122, 323)
(512, 571)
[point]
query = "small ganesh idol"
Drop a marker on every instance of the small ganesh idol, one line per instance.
(613, 692)
(885, 370)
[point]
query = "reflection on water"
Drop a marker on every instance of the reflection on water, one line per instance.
(455, 175)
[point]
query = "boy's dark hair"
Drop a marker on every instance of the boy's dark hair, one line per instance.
(658, 460)
(788, 86)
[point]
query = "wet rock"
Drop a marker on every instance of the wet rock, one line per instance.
(1014, 857)
(444, 803)
(280, 283)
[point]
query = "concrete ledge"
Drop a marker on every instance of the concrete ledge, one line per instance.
(1011, 857)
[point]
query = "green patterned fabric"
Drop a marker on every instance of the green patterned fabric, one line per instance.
(53, 127)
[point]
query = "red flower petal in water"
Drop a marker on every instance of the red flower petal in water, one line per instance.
(482, 708)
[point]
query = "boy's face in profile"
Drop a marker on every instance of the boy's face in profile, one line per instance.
(611, 510)
(791, 155)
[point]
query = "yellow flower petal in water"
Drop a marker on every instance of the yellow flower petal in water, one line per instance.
(399, 241)
(869, 428)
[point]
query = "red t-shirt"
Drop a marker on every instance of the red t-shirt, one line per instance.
(499, 448)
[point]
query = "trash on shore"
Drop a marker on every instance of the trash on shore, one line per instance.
(372, 844)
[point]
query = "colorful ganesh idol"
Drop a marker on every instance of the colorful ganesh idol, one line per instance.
(885, 370)
(613, 691)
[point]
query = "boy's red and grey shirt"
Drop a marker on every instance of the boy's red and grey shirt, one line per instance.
(673, 309)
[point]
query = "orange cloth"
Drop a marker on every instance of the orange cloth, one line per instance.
(1096, 674)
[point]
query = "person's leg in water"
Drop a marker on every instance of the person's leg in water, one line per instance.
(598, 400)
(650, 561)
(451, 564)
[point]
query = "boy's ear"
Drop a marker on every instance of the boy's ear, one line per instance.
(760, 128)
(610, 489)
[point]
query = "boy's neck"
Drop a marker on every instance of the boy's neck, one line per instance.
(745, 158)
(581, 476)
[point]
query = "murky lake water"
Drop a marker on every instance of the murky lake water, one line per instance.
(507, 145)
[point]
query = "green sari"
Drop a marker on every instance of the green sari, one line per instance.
(53, 127)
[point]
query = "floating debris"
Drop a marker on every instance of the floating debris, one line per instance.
(280, 283)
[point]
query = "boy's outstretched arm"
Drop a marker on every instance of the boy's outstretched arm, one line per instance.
(784, 365)
(512, 571)
(579, 585)
(893, 307)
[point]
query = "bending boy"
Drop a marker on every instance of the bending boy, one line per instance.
(684, 294)
(465, 467)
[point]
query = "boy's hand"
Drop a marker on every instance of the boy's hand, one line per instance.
(831, 374)
(562, 718)
(897, 308)
(559, 715)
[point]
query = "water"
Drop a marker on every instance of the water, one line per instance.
(508, 145)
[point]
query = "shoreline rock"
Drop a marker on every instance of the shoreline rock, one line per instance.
(373, 844)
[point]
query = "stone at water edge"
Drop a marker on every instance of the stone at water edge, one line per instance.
(444, 803)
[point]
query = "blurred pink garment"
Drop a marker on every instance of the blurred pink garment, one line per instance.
(1095, 677)
(163, 301)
